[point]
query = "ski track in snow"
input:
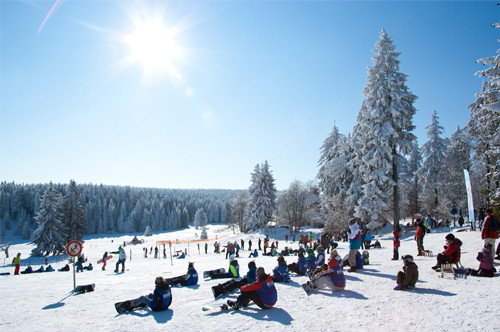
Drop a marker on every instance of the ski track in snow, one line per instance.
(43, 301)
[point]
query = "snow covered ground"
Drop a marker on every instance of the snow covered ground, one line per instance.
(44, 301)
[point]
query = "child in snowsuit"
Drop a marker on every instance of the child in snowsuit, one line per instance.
(486, 268)
(262, 293)
(159, 300)
(409, 276)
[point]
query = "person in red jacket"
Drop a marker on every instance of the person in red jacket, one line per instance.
(396, 243)
(262, 292)
(451, 253)
(489, 234)
(419, 237)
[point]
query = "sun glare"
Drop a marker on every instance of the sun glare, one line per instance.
(153, 45)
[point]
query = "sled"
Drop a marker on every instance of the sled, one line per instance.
(107, 258)
(428, 253)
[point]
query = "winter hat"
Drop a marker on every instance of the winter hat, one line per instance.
(251, 264)
(450, 237)
(320, 248)
(488, 245)
(281, 259)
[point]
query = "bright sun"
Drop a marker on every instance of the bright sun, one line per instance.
(153, 45)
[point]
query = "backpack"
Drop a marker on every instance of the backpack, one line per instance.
(494, 226)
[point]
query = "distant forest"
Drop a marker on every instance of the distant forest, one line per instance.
(116, 209)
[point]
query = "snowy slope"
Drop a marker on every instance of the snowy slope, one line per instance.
(43, 301)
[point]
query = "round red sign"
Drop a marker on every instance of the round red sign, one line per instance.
(74, 248)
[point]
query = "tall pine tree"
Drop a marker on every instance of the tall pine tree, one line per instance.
(431, 171)
(483, 126)
(50, 235)
(383, 134)
(73, 214)
(262, 196)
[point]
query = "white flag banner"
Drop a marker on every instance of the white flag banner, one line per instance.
(469, 196)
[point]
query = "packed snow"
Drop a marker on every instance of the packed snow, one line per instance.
(45, 301)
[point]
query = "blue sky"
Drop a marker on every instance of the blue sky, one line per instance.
(246, 81)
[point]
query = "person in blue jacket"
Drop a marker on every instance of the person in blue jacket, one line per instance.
(189, 279)
(159, 300)
(311, 261)
(280, 272)
(320, 257)
(254, 254)
(354, 243)
(252, 272)
(301, 266)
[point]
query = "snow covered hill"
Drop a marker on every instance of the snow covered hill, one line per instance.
(44, 301)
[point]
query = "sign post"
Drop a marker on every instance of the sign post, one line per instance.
(73, 249)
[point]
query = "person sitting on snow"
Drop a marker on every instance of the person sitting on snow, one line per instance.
(254, 254)
(301, 266)
(330, 275)
(280, 272)
(486, 268)
(407, 278)
(233, 284)
(234, 270)
(189, 279)
(451, 254)
(159, 300)
(320, 257)
(262, 292)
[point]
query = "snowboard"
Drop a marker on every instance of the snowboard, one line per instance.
(208, 274)
(125, 306)
(4, 273)
(107, 258)
(212, 308)
(308, 287)
(84, 288)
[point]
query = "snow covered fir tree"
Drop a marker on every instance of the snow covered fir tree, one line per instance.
(262, 196)
(49, 237)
